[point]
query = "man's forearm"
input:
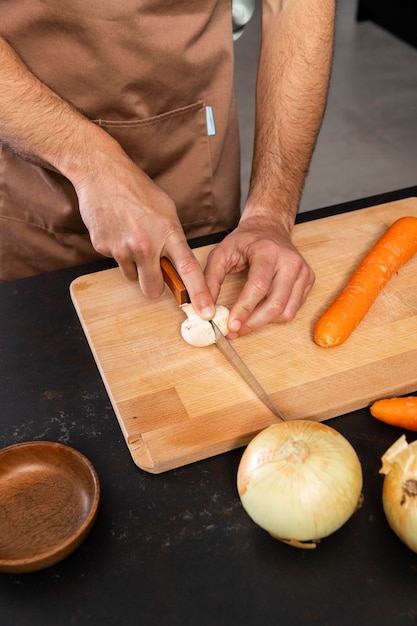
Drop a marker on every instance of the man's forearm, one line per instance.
(292, 83)
(36, 123)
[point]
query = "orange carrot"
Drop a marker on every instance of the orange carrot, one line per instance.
(396, 246)
(400, 412)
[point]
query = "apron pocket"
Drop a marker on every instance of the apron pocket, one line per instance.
(173, 149)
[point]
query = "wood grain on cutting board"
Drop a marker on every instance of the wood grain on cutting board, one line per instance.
(177, 404)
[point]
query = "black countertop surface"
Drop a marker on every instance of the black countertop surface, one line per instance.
(178, 548)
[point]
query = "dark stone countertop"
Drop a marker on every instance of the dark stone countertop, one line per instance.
(178, 548)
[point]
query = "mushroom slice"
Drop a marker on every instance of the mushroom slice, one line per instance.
(198, 332)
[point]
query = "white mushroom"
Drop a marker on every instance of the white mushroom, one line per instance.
(198, 332)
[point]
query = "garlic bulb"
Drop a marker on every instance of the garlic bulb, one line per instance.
(300, 480)
(399, 491)
(198, 332)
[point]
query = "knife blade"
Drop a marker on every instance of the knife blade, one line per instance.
(179, 291)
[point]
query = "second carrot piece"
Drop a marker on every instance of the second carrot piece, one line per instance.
(400, 412)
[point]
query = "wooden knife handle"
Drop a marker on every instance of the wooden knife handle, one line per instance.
(174, 281)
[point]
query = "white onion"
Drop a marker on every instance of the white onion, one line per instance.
(300, 481)
(399, 491)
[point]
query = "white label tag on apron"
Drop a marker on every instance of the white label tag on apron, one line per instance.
(211, 128)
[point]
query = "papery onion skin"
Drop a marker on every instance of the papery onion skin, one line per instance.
(300, 480)
(399, 491)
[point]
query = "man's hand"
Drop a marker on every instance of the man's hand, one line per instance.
(132, 220)
(127, 215)
(278, 279)
(291, 89)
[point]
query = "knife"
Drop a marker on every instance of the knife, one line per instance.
(179, 291)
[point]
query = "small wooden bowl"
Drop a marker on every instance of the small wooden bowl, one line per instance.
(49, 497)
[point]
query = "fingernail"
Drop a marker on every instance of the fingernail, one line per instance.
(235, 326)
(207, 313)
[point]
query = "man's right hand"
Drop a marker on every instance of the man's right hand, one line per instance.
(132, 220)
(127, 215)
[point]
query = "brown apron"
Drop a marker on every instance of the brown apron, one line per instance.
(158, 76)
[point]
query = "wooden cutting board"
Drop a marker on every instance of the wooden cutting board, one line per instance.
(177, 404)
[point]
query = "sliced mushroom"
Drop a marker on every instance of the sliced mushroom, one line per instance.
(198, 332)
